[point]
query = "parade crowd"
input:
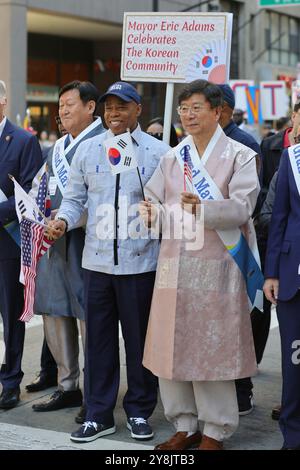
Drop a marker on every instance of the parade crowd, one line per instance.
(193, 328)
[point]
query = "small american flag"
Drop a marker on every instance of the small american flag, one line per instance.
(44, 204)
(187, 165)
(31, 242)
(34, 244)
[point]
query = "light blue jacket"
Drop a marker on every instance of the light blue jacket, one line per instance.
(92, 184)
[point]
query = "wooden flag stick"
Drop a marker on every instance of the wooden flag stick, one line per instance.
(138, 170)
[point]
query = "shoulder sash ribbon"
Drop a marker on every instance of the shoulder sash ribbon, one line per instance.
(294, 156)
(60, 164)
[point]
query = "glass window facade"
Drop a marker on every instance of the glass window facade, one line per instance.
(282, 38)
(233, 7)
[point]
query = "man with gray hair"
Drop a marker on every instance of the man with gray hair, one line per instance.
(2, 89)
(20, 156)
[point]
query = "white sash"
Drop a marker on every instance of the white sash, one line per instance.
(294, 155)
(246, 258)
(60, 165)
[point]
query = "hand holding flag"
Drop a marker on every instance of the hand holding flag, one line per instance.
(190, 202)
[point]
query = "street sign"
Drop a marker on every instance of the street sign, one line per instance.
(277, 3)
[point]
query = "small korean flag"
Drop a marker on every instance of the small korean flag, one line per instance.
(120, 153)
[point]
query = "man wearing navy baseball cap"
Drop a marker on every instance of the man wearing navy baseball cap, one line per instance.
(227, 124)
(119, 271)
(123, 90)
(122, 108)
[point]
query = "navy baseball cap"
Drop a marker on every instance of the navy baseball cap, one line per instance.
(228, 95)
(124, 91)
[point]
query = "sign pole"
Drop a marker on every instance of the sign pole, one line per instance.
(168, 112)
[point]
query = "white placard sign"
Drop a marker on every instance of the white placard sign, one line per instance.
(176, 47)
(274, 99)
(295, 92)
(239, 87)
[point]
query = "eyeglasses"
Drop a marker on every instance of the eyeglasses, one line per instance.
(195, 109)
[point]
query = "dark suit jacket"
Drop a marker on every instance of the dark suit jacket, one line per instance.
(235, 133)
(271, 148)
(20, 156)
(283, 252)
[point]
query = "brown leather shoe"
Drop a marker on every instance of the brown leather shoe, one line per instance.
(180, 441)
(276, 412)
(208, 443)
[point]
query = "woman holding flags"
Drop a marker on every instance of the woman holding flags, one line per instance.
(198, 340)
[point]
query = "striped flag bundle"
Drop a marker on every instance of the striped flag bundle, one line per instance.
(187, 168)
(34, 242)
(31, 244)
(43, 201)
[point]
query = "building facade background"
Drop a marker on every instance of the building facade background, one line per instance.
(46, 43)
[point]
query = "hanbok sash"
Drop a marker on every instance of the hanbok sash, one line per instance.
(246, 257)
(294, 156)
(60, 164)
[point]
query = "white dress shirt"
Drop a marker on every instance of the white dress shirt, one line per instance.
(2, 125)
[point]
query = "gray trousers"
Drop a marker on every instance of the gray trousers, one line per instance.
(63, 340)
(213, 403)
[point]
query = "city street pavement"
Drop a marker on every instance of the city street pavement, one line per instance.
(21, 428)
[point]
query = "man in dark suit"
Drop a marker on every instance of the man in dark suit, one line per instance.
(272, 147)
(20, 155)
(282, 272)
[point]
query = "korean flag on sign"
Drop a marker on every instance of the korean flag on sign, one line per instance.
(120, 153)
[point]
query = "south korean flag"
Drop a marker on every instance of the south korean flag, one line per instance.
(120, 153)
(26, 206)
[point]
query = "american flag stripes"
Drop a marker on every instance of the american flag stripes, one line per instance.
(31, 243)
(187, 167)
(44, 204)
(34, 244)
